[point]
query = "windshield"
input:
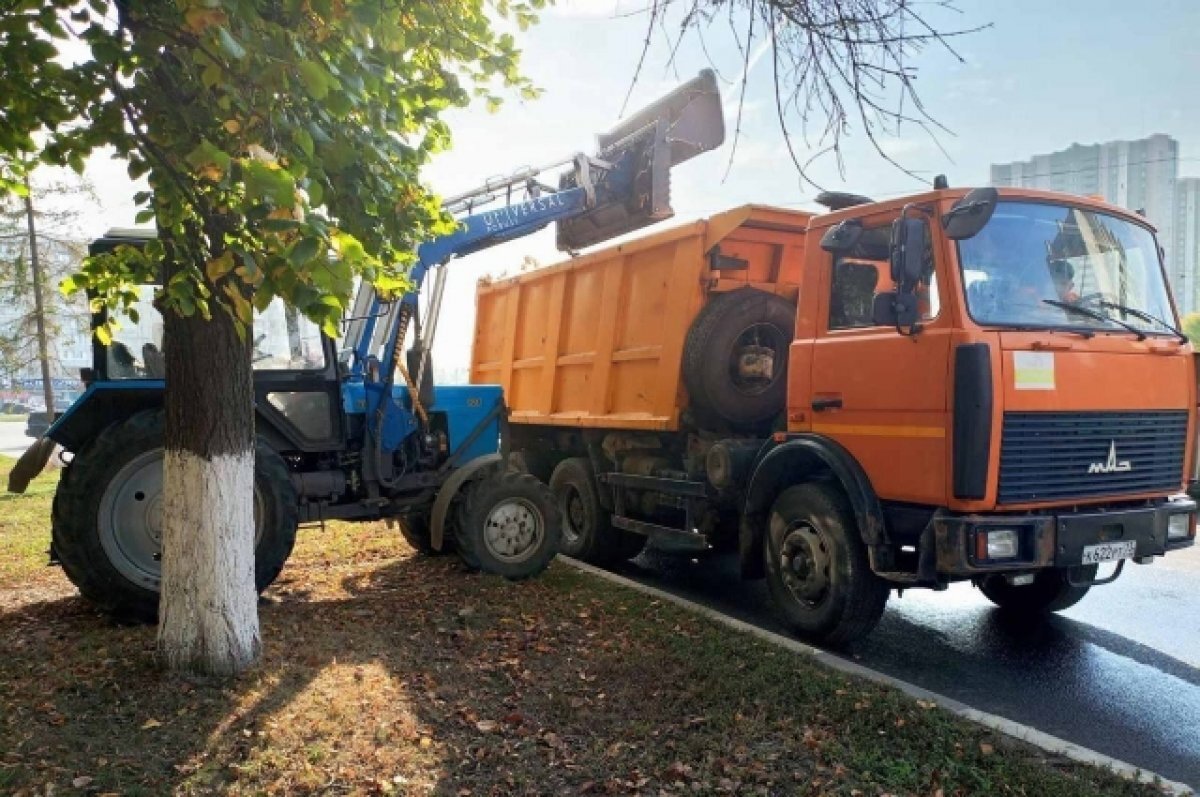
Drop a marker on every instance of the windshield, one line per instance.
(1043, 265)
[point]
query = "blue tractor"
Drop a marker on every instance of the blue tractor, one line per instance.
(349, 429)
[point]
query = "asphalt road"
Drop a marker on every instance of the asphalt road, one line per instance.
(1118, 673)
(13, 441)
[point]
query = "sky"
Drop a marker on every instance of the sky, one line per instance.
(1041, 76)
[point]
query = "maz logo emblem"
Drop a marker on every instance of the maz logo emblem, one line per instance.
(1111, 465)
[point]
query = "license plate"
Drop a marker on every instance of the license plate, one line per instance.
(1108, 552)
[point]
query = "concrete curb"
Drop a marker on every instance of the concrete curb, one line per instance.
(1044, 741)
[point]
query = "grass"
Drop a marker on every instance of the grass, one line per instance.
(385, 673)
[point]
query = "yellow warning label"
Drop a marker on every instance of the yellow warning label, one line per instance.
(1033, 370)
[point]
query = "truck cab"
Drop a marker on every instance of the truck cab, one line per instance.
(1002, 375)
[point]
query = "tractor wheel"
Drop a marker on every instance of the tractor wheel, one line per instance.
(736, 354)
(587, 533)
(107, 517)
(509, 525)
(817, 569)
(414, 528)
(1049, 592)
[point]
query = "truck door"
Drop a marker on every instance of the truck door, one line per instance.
(877, 391)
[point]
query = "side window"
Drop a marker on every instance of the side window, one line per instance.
(854, 286)
(136, 349)
(308, 411)
(862, 273)
(284, 340)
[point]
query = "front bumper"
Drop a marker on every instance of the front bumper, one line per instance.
(1055, 540)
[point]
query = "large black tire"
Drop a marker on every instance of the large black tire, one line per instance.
(509, 525)
(1049, 592)
(587, 532)
(414, 528)
(817, 568)
(104, 527)
(730, 327)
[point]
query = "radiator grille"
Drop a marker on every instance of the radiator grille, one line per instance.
(1047, 456)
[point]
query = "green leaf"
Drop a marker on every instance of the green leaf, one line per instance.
(305, 250)
(304, 141)
(316, 79)
(316, 193)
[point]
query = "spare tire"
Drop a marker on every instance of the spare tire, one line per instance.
(736, 354)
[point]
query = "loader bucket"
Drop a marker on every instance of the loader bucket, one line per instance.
(642, 150)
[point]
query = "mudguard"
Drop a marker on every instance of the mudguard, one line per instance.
(450, 488)
(796, 460)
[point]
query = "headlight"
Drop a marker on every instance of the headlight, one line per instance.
(1179, 527)
(994, 544)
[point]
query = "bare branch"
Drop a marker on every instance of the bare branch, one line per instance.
(839, 66)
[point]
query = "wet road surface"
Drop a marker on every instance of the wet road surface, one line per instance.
(1118, 673)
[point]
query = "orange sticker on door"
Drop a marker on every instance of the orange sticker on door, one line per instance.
(1033, 370)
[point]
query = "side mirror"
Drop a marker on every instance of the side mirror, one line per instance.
(894, 309)
(970, 214)
(910, 239)
(842, 237)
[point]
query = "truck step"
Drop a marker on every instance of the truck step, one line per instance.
(673, 538)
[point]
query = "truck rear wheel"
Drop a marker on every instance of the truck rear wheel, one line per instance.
(107, 517)
(587, 532)
(509, 525)
(1051, 591)
(817, 567)
(736, 354)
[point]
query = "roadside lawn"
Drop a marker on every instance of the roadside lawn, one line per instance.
(386, 673)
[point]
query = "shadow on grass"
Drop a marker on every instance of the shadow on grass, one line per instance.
(411, 676)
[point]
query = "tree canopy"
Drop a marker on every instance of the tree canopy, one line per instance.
(272, 133)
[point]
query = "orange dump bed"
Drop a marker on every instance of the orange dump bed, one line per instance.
(597, 341)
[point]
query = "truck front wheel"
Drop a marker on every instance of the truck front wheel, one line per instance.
(107, 517)
(1051, 591)
(817, 567)
(509, 525)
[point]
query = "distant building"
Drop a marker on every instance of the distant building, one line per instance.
(1141, 175)
(1187, 243)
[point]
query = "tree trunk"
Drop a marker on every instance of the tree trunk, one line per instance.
(208, 613)
(39, 304)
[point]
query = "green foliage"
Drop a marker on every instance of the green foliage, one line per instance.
(1191, 328)
(282, 138)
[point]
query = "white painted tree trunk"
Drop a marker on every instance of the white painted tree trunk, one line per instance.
(208, 612)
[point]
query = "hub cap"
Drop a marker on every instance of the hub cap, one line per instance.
(804, 563)
(756, 359)
(513, 530)
(130, 520)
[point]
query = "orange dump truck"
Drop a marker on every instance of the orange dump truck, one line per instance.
(985, 385)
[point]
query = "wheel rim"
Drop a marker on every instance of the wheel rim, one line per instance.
(130, 519)
(758, 349)
(513, 530)
(804, 564)
(574, 516)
